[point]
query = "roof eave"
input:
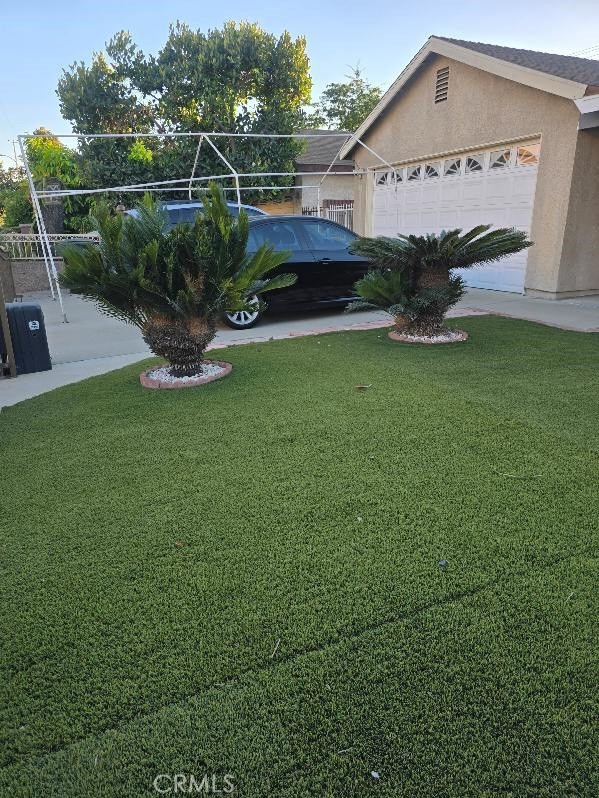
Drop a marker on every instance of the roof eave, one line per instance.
(506, 69)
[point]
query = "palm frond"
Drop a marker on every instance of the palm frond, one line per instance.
(381, 288)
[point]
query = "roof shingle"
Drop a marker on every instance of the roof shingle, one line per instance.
(580, 70)
(322, 150)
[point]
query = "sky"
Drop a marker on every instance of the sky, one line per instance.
(41, 37)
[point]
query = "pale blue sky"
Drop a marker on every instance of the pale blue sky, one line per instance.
(40, 37)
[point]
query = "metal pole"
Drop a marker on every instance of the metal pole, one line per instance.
(164, 184)
(376, 155)
(233, 172)
(195, 163)
(195, 134)
(42, 229)
(35, 211)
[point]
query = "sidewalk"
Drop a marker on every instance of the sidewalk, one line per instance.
(92, 343)
(581, 313)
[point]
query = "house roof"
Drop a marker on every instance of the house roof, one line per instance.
(564, 75)
(321, 151)
(580, 70)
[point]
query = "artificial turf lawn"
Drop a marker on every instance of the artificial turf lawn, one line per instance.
(244, 578)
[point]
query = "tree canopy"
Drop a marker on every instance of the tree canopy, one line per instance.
(235, 79)
(344, 106)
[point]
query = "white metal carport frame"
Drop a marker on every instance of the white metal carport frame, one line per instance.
(177, 184)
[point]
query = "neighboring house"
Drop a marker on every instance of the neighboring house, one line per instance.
(336, 189)
(479, 133)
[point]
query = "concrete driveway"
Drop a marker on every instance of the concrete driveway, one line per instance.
(92, 343)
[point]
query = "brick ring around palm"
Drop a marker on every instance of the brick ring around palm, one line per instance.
(162, 376)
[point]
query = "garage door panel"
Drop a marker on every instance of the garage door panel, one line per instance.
(473, 216)
(495, 216)
(380, 201)
(449, 220)
(520, 217)
(473, 191)
(413, 195)
(431, 194)
(410, 221)
(450, 191)
(498, 188)
(524, 184)
(499, 197)
(429, 221)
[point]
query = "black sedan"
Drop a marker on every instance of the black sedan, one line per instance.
(326, 270)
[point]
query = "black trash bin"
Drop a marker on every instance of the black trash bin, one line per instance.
(28, 335)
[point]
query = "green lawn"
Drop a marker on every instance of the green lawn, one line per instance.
(244, 578)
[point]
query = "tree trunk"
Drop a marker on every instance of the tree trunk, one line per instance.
(182, 342)
(432, 278)
(430, 321)
(402, 322)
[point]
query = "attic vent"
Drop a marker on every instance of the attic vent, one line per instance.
(442, 84)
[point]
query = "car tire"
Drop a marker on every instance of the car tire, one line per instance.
(244, 319)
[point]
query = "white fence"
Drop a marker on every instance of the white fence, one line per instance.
(343, 214)
(28, 246)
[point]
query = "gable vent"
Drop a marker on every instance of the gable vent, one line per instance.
(442, 85)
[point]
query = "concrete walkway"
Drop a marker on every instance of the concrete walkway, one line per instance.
(92, 343)
(581, 314)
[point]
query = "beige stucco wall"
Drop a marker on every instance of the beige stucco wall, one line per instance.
(335, 187)
(483, 109)
(580, 255)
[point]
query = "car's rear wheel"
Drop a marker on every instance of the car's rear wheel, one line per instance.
(244, 319)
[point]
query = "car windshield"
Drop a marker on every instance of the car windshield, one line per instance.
(181, 214)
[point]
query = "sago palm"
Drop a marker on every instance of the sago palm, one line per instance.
(174, 286)
(426, 263)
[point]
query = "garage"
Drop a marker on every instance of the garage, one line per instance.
(493, 186)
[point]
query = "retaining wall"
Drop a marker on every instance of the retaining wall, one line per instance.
(30, 275)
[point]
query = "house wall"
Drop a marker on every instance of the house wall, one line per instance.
(483, 109)
(580, 256)
(336, 187)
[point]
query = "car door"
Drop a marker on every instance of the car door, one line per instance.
(283, 236)
(337, 268)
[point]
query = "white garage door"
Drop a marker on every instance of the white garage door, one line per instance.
(494, 187)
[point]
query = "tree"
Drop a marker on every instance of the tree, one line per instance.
(344, 106)
(175, 285)
(412, 279)
(15, 205)
(48, 157)
(235, 79)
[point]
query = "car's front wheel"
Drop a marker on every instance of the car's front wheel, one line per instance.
(244, 319)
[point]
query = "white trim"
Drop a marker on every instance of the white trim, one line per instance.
(589, 104)
(533, 138)
(505, 69)
(589, 112)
